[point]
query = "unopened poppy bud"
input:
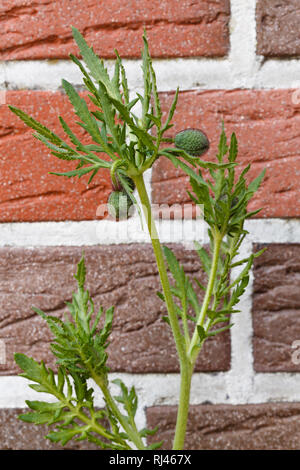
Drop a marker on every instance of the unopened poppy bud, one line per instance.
(119, 204)
(193, 141)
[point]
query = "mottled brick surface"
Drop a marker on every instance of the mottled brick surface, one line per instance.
(27, 191)
(17, 435)
(125, 276)
(175, 28)
(276, 308)
(267, 126)
(278, 28)
(225, 427)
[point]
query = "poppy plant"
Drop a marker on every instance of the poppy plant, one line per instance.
(132, 144)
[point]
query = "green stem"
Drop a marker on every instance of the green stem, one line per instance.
(193, 350)
(132, 432)
(102, 383)
(185, 366)
(146, 206)
(184, 320)
(183, 406)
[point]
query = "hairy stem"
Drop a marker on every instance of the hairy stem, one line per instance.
(185, 366)
(183, 407)
(146, 206)
(102, 383)
(132, 432)
(193, 350)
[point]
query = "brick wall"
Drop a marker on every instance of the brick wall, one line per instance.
(236, 61)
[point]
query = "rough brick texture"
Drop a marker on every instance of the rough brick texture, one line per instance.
(267, 126)
(123, 275)
(226, 427)
(276, 308)
(27, 191)
(175, 28)
(278, 28)
(17, 435)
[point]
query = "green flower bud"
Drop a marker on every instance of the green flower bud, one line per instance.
(119, 204)
(193, 141)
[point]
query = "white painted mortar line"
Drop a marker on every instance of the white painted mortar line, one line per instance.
(188, 74)
(206, 387)
(35, 234)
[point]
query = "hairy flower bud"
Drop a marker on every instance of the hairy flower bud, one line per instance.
(193, 141)
(119, 204)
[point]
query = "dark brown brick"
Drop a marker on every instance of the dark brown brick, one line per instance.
(225, 427)
(17, 435)
(278, 28)
(266, 123)
(276, 308)
(122, 275)
(175, 28)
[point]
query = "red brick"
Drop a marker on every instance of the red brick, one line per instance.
(27, 191)
(268, 426)
(176, 28)
(276, 308)
(267, 125)
(278, 28)
(121, 275)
